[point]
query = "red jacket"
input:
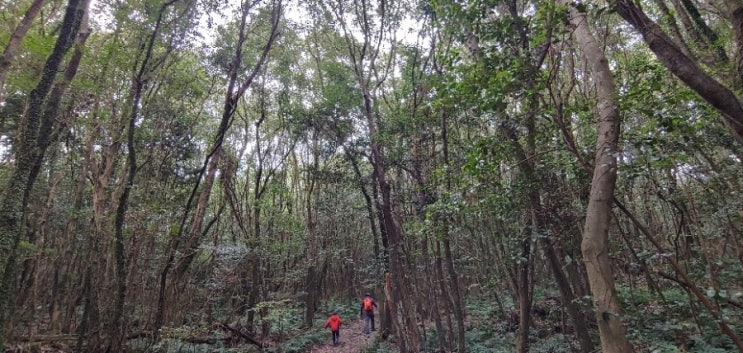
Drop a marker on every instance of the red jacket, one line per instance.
(334, 322)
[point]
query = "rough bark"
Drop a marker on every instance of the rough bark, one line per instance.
(48, 134)
(595, 244)
(716, 94)
(21, 181)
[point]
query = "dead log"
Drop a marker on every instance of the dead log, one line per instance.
(241, 334)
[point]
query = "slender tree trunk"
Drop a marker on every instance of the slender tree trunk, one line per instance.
(524, 296)
(369, 202)
(445, 299)
(312, 285)
(255, 291)
(48, 134)
(595, 244)
(312, 296)
(532, 224)
(196, 231)
(235, 91)
(453, 277)
(568, 298)
(456, 294)
(423, 199)
(69, 236)
(433, 297)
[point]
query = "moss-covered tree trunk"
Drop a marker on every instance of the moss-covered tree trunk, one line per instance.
(30, 152)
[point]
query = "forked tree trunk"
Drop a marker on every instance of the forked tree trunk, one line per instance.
(595, 244)
(717, 95)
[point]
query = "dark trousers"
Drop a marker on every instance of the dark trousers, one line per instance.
(368, 321)
(336, 336)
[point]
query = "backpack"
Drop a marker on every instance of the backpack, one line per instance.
(368, 304)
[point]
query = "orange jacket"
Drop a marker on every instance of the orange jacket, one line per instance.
(334, 322)
(368, 304)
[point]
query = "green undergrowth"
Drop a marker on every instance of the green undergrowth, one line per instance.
(676, 322)
(301, 342)
(487, 331)
(287, 334)
(655, 324)
(378, 346)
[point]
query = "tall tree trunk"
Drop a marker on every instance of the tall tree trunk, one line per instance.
(453, 277)
(235, 91)
(48, 133)
(434, 297)
(595, 244)
(423, 199)
(523, 288)
(409, 336)
(368, 201)
(312, 285)
(21, 181)
(142, 71)
(717, 95)
(68, 236)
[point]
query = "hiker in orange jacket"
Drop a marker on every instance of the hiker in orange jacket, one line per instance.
(367, 312)
(334, 322)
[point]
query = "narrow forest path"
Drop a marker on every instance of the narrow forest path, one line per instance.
(352, 339)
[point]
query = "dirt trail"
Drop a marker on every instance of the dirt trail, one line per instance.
(352, 340)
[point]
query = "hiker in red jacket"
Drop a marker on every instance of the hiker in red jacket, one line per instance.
(334, 322)
(367, 312)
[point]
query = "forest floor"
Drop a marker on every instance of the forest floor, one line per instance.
(352, 339)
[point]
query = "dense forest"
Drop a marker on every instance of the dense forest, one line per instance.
(502, 175)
